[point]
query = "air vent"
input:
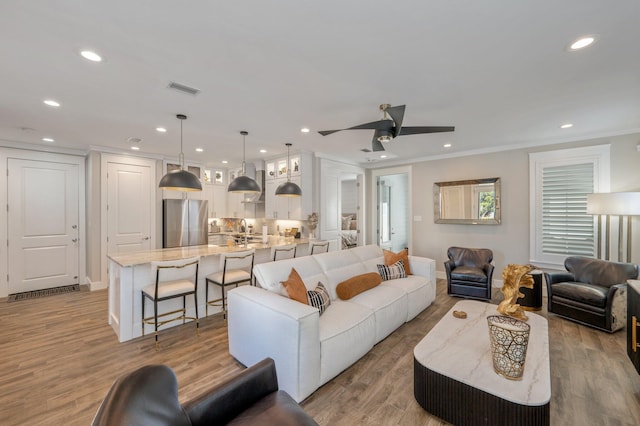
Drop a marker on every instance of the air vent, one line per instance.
(183, 88)
(365, 150)
(134, 140)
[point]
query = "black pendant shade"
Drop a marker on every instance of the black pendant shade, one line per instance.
(244, 184)
(180, 180)
(288, 188)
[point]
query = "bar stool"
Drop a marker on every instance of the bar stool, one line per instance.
(237, 268)
(283, 252)
(316, 247)
(181, 280)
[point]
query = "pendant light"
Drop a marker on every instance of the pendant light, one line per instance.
(180, 180)
(288, 188)
(244, 184)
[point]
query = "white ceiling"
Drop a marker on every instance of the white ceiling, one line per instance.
(498, 70)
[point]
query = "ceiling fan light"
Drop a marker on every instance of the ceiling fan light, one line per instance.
(180, 180)
(244, 184)
(384, 136)
(288, 189)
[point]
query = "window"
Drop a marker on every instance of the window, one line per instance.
(559, 183)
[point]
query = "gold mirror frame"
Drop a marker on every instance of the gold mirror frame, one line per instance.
(458, 202)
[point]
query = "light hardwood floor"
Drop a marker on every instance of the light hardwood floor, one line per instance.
(58, 358)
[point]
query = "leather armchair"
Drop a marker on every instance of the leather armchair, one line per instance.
(469, 272)
(149, 396)
(592, 292)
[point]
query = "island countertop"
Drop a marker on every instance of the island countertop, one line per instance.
(176, 253)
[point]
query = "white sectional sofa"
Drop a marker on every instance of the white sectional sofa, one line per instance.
(310, 349)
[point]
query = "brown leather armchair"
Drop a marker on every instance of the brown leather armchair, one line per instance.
(469, 272)
(149, 396)
(591, 292)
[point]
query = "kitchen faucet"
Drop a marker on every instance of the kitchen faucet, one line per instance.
(246, 243)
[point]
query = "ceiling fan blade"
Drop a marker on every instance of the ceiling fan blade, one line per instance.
(425, 129)
(376, 145)
(397, 114)
(374, 125)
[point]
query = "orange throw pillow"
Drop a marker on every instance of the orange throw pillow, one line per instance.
(390, 258)
(295, 287)
(358, 284)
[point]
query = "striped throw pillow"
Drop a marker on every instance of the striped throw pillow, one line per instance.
(392, 272)
(319, 297)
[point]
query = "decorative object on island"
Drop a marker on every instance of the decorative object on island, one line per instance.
(180, 179)
(313, 223)
(242, 183)
(288, 188)
(618, 204)
(513, 277)
(509, 339)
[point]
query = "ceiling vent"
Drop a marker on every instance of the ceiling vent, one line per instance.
(183, 88)
(365, 150)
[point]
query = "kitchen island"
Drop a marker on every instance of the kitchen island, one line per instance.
(129, 273)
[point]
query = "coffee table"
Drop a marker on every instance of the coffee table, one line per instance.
(454, 377)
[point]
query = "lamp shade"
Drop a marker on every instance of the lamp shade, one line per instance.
(180, 180)
(288, 189)
(614, 203)
(244, 184)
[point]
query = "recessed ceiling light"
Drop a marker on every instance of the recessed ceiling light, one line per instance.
(51, 102)
(135, 148)
(92, 56)
(383, 156)
(305, 130)
(48, 140)
(583, 42)
(566, 126)
(224, 161)
(447, 145)
(161, 129)
(262, 151)
(199, 150)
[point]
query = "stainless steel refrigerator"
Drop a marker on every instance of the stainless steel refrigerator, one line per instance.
(184, 223)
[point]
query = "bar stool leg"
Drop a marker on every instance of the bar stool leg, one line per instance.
(155, 317)
(143, 314)
(224, 303)
(195, 302)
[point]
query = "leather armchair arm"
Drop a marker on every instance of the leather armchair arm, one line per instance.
(223, 402)
(449, 266)
(558, 277)
(488, 269)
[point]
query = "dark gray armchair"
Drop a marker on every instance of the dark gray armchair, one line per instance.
(469, 272)
(591, 292)
(149, 396)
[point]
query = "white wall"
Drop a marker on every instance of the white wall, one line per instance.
(510, 240)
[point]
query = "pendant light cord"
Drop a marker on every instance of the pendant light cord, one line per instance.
(244, 151)
(181, 153)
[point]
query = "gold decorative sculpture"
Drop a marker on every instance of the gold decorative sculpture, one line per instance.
(513, 277)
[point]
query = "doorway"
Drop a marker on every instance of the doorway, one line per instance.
(392, 209)
(44, 224)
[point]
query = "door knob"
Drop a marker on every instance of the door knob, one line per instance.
(145, 238)
(75, 240)
(74, 226)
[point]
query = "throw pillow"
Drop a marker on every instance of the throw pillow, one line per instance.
(346, 222)
(392, 272)
(319, 297)
(295, 287)
(356, 285)
(390, 258)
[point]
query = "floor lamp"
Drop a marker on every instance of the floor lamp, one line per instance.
(614, 204)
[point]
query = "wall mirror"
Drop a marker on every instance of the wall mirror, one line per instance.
(472, 202)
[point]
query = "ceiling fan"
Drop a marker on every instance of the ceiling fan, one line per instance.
(391, 127)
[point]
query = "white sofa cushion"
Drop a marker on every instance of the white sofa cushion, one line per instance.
(417, 293)
(389, 306)
(339, 266)
(346, 333)
(270, 275)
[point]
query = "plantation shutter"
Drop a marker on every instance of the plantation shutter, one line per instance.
(566, 227)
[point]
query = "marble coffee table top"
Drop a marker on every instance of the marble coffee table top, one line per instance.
(460, 350)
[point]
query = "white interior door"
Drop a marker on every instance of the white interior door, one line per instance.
(43, 228)
(128, 208)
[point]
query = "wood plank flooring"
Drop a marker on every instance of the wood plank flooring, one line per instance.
(58, 358)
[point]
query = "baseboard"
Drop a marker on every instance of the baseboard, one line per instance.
(96, 285)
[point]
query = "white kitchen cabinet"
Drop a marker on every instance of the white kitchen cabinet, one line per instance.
(216, 195)
(297, 208)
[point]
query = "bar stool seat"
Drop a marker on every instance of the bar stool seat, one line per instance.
(181, 280)
(237, 268)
